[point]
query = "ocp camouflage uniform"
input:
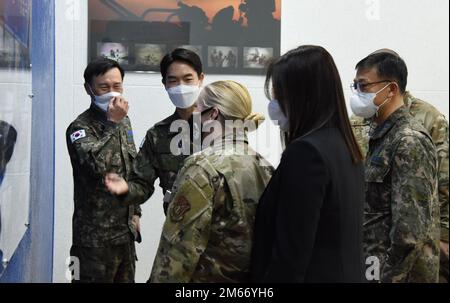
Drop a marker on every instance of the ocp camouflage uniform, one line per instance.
(437, 126)
(103, 232)
(207, 236)
(402, 209)
(155, 160)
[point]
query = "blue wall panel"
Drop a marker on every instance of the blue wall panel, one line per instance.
(33, 260)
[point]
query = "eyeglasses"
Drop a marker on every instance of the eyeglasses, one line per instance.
(361, 87)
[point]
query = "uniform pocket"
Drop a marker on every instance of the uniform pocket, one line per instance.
(378, 187)
(376, 171)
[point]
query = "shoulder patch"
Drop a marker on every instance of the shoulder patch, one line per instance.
(80, 134)
(180, 207)
(130, 136)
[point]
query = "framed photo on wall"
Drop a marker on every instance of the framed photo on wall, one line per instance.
(230, 36)
(15, 24)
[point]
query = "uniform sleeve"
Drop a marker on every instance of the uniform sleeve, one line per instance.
(91, 153)
(186, 230)
(142, 179)
(138, 211)
(301, 196)
(361, 130)
(415, 219)
(439, 134)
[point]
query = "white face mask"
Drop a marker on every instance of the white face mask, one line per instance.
(277, 115)
(362, 103)
(183, 96)
(103, 101)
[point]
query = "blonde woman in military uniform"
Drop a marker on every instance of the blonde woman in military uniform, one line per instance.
(207, 236)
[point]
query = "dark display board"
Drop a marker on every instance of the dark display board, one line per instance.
(231, 36)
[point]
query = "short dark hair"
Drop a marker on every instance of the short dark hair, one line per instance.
(100, 67)
(388, 65)
(184, 55)
(307, 85)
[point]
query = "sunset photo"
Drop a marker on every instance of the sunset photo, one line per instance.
(113, 9)
(203, 25)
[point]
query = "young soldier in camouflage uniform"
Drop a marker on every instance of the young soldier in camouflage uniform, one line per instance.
(437, 126)
(182, 75)
(100, 141)
(207, 236)
(402, 209)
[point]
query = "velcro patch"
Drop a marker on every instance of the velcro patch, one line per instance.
(179, 209)
(130, 136)
(78, 135)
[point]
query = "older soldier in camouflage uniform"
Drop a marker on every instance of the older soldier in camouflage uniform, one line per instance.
(437, 126)
(100, 141)
(402, 211)
(182, 76)
(207, 236)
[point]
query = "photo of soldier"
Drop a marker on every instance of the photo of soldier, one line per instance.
(114, 51)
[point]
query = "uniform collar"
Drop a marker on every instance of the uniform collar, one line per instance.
(387, 125)
(98, 113)
(230, 140)
(408, 99)
(169, 120)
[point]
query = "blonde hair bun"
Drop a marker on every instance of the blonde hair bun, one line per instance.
(232, 99)
(258, 119)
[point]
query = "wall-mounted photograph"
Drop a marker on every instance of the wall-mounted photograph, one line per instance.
(15, 20)
(222, 57)
(198, 49)
(115, 51)
(257, 57)
(149, 55)
(225, 33)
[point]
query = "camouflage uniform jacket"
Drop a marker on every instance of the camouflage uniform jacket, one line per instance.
(97, 147)
(401, 225)
(155, 160)
(437, 126)
(207, 236)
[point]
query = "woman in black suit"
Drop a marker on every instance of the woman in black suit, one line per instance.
(309, 220)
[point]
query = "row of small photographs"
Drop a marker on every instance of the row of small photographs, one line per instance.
(218, 56)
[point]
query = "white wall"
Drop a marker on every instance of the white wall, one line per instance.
(352, 29)
(417, 29)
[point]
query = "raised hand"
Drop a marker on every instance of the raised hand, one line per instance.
(116, 184)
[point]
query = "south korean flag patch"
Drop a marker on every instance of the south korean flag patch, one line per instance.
(77, 136)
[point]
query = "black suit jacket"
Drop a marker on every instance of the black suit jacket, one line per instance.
(309, 220)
